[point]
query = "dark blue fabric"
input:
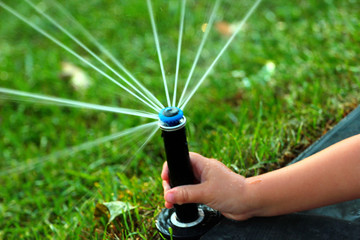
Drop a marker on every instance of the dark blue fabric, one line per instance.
(339, 221)
(348, 127)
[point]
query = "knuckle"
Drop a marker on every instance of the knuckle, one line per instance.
(184, 195)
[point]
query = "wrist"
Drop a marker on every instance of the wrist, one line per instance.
(251, 199)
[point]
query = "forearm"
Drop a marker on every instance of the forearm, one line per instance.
(328, 177)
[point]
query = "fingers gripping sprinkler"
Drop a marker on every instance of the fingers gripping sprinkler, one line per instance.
(186, 221)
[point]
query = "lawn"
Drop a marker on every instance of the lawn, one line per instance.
(290, 75)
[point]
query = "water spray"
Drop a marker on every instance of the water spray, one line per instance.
(186, 221)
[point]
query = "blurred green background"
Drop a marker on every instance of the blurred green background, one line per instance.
(290, 75)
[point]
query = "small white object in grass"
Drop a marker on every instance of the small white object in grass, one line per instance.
(266, 73)
(246, 82)
(238, 73)
(262, 77)
(270, 67)
(79, 80)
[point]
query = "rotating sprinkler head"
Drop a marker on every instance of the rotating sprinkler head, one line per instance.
(187, 221)
(171, 118)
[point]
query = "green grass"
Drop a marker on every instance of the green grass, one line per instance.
(314, 45)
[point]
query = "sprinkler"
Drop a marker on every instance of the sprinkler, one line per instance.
(186, 221)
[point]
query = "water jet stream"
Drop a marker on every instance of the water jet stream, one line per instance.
(72, 37)
(157, 43)
(181, 30)
(147, 140)
(248, 14)
(201, 46)
(92, 39)
(72, 150)
(56, 41)
(71, 103)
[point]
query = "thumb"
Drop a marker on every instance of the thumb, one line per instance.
(186, 194)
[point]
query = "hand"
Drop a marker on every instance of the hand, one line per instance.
(218, 187)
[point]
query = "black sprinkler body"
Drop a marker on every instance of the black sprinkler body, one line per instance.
(187, 221)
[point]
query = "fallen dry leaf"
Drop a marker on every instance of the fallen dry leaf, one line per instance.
(79, 80)
(226, 29)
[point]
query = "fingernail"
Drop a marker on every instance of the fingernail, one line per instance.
(169, 205)
(170, 197)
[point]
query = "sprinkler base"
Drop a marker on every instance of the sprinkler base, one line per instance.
(172, 230)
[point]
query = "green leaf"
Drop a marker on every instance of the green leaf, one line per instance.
(112, 209)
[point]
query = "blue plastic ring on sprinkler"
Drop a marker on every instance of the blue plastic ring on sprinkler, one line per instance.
(171, 116)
